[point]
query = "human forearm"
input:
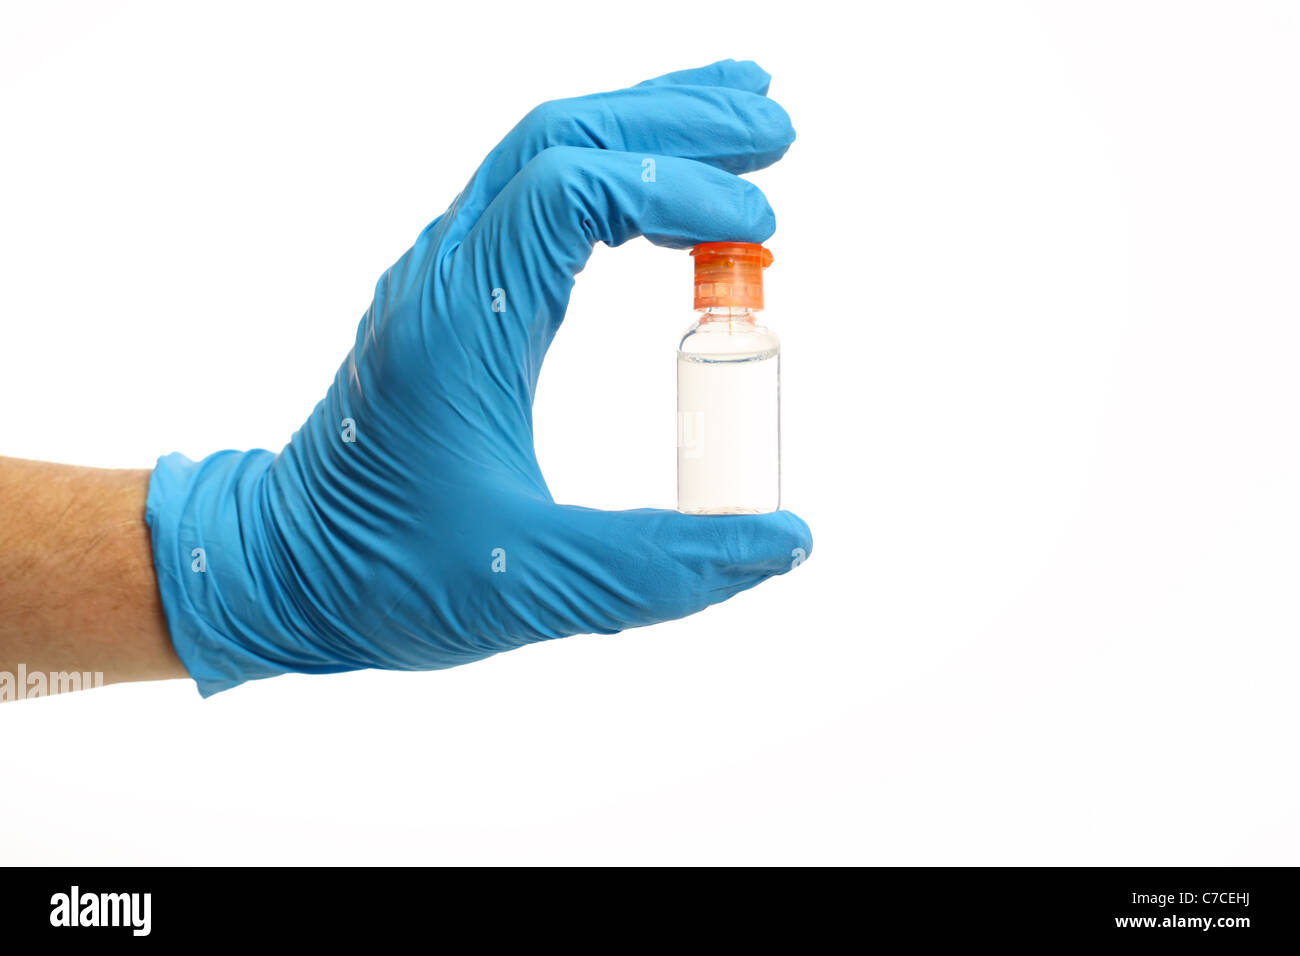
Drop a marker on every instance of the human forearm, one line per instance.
(77, 586)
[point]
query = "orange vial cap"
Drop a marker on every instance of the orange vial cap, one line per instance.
(729, 275)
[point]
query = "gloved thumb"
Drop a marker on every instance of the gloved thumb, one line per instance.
(633, 568)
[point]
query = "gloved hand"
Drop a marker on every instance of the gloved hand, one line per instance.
(407, 525)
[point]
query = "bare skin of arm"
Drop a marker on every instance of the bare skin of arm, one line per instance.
(77, 586)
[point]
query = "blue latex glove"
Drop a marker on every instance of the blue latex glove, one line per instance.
(407, 525)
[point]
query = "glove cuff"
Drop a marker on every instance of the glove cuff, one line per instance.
(209, 533)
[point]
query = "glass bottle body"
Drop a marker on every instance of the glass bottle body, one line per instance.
(728, 415)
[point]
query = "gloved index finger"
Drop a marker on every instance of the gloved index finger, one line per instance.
(737, 74)
(733, 130)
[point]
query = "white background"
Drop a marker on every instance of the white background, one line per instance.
(1036, 280)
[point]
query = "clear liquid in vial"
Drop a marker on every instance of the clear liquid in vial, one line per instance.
(728, 429)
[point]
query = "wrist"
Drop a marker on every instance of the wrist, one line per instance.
(77, 588)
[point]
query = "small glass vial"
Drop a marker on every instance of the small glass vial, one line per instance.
(729, 389)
